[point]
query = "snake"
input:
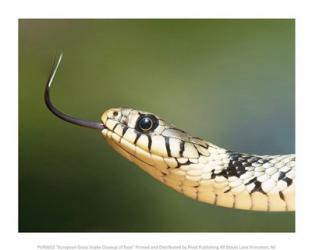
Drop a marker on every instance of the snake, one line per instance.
(190, 165)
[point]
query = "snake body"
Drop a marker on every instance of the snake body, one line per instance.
(200, 169)
(190, 165)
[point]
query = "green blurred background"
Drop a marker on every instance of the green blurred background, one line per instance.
(228, 81)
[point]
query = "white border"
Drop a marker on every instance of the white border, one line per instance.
(11, 11)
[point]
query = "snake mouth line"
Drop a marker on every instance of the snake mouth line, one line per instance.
(119, 145)
(116, 144)
(168, 161)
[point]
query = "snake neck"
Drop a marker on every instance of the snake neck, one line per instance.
(236, 180)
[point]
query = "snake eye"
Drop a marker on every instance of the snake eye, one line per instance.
(145, 123)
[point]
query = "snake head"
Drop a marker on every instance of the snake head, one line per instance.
(148, 140)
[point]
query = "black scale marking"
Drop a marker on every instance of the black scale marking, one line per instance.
(282, 176)
(213, 175)
(167, 146)
(251, 181)
(288, 181)
(182, 164)
(257, 188)
(124, 130)
(238, 166)
(138, 134)
(115, 127)
(163, 173)
(149, 142)
(182, 145)
(281, 195)
(228, 190)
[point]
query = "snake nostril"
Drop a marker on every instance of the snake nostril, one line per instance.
(115, 113)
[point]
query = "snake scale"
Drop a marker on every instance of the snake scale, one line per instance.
(193, 166)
